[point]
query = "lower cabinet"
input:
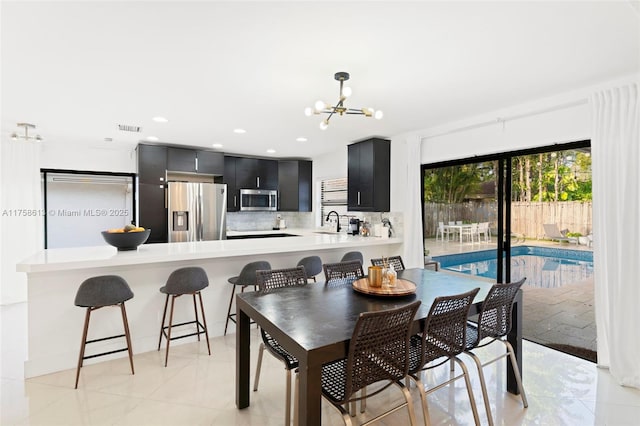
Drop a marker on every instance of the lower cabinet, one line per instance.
(153, 213)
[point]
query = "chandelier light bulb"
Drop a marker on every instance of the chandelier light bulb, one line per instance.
(378, 115)
(308, 111)
(324, 124)
(319, 105)
(346, 91)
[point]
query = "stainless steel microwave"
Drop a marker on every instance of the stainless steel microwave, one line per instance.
(258, 200)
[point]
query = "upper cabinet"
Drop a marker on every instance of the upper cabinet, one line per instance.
(152, 164)
(254, 173)
(195, 161)
(229, 177)
(294, 185)
(368, 175)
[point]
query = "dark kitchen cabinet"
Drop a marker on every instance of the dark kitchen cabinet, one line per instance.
(195, 161)
(368, 175)
(294, 185)
(210, 162)
(229, 177)
(152, 164)
(254, 173)
(152, 212)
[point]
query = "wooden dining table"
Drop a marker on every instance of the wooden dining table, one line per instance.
(315, 322)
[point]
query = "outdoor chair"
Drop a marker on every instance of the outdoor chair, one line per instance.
(338, 271)
(378, 358)
(494, 323)
(483, 229)
(470, 232)
(443, 337)
(268, 280)
(396, 261)
(442, 231)
(552, 232)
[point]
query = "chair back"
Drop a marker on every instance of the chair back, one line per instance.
(396, 261)
(103, 290)
(270, 279)
(444, 333)
(186, 280)
(379, 348)
(312, 265)
(352, 255)
(495, 316)
(350, 269)
(248, 273)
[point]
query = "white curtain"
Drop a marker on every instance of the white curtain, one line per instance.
(413, 255)
(615, 147)
(22, 221)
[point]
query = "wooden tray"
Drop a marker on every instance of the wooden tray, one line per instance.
(402, 288)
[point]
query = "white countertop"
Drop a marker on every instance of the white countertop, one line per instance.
(105, 256)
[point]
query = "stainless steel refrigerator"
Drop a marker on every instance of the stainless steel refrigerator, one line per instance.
(197, 211)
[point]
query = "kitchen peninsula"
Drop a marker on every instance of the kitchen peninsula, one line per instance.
(53, 277)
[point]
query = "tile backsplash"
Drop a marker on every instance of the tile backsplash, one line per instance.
(264, 221)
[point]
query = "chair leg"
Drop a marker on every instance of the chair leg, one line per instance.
(287, 403)
(409, 399)
(423, 399)
(127, 335)
(465, 373)
(483, 386)
(166, 356)
(258, 367)
(363, 401)
(226, 324)
(164, 315)
(516, 370)
(296, 395)
(195, 310)
(204, 323)
(87, 316)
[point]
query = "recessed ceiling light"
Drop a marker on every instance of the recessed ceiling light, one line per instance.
(301, 139)
(153, 138)
(159, 119)
(271, 151)
(239, 131)
(217, 145)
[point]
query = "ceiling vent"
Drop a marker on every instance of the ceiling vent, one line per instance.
(129, 128)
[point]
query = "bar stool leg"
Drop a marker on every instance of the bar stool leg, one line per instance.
(166, 356)
(195, 309)
(164, 316)
(127, 335)
(204, 322)
(226, 324)
(82, 344)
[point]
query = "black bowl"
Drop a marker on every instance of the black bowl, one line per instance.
(126, 240)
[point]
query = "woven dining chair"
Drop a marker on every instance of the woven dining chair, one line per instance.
(443, 337)
(396, 261)
(341, 270)
(269, 280)
(494, 323)
(378, 354)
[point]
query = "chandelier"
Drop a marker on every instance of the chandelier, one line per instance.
(26, 126)
(320, 107)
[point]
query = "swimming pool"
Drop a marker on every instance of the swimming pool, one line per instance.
(546, 267)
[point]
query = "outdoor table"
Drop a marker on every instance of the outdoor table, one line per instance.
(459, 228)
(314, 323)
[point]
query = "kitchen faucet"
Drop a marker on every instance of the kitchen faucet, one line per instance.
(337, 219)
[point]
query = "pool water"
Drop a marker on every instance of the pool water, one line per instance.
(544, 267)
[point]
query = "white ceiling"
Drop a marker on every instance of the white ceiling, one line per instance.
(76, 69)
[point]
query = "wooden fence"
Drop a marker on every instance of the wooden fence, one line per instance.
(527, 218)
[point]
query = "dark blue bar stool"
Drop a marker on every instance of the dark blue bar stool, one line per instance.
(189, 280)
(98, 292)
(312, 266)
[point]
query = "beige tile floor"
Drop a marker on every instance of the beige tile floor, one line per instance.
(196, 389)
